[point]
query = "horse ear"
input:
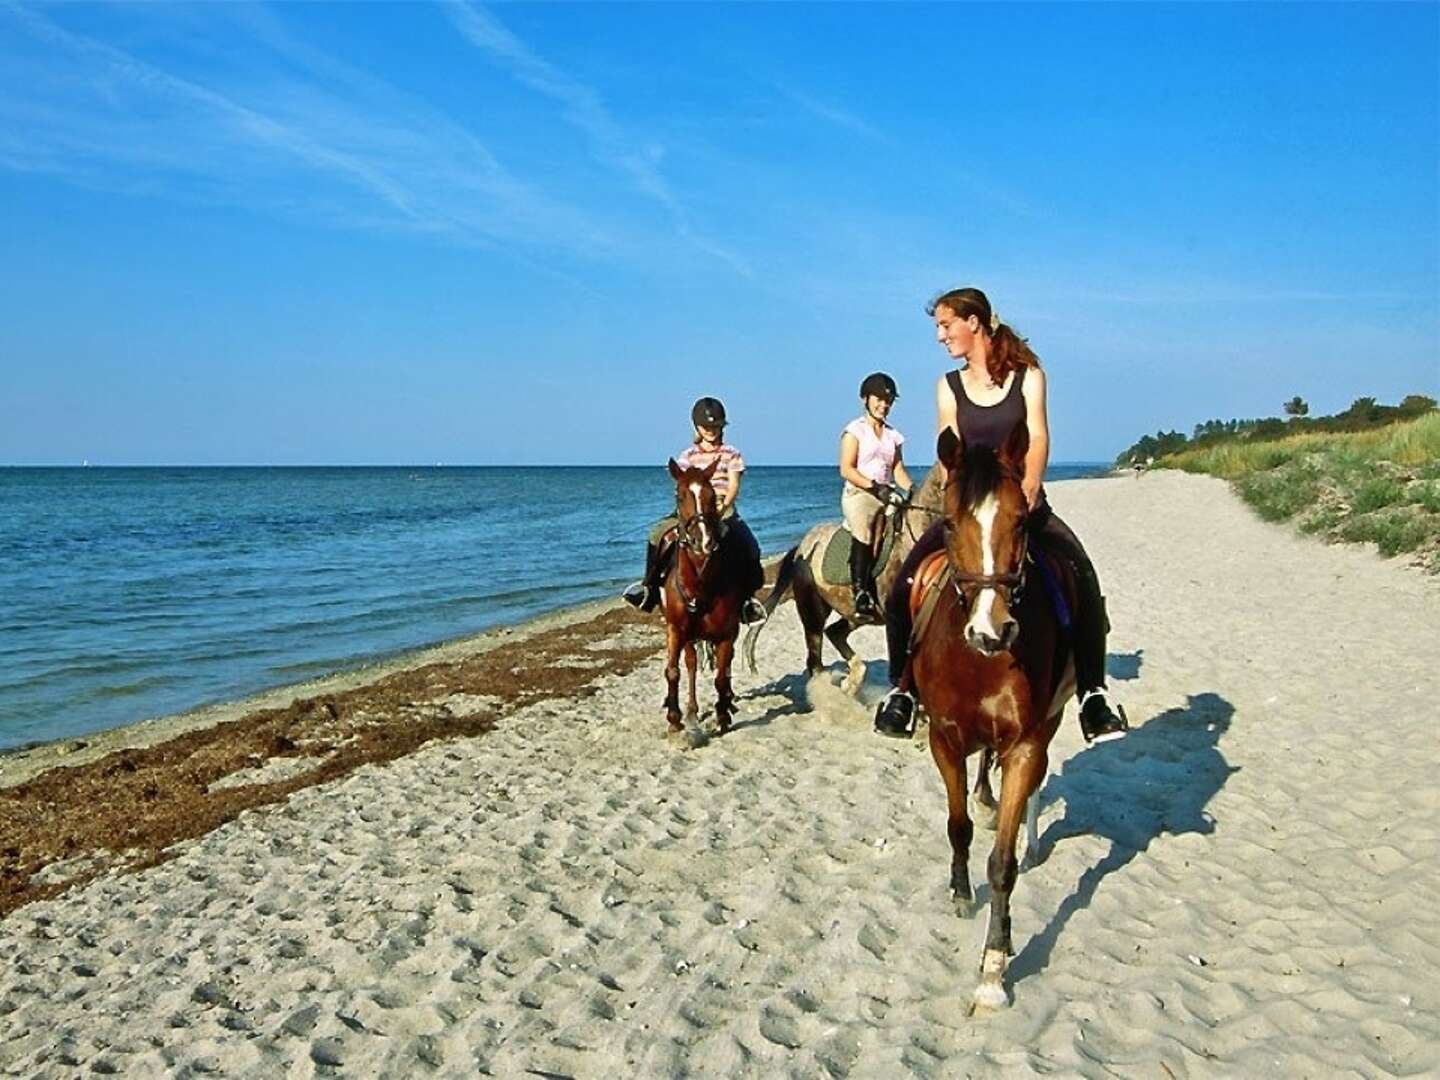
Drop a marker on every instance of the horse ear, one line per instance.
(1017, 444)
(710, 469)
(949, 447)
(675, 470)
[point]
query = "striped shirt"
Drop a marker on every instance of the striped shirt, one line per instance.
(728, 458)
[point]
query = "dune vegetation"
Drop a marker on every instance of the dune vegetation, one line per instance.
(1380, 486)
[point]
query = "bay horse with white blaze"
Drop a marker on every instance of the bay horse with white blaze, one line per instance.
(704, 592)
(993, 670)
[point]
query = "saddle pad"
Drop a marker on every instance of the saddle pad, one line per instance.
(835, 563)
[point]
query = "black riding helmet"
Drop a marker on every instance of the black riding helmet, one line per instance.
(880, 385)
(708, 412)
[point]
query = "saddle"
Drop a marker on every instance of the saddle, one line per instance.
(835, 562)
(934, 575)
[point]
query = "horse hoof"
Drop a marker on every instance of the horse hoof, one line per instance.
(965, 906)
(989, 998)
(854, 679)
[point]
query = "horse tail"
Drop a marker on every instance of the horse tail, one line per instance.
(784, 578)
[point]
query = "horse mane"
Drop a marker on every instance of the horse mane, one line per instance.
(981, 475)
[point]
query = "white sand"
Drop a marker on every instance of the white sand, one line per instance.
(1249, 884)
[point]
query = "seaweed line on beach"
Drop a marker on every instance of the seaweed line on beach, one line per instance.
(129, 809)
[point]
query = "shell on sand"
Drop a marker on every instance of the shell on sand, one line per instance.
(1246, 884)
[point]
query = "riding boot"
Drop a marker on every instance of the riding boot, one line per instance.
(645, 594)
(861, 566)
(1100, 720)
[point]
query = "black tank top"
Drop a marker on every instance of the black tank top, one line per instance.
(987, 425)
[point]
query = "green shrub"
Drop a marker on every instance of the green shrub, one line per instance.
(1376, 494)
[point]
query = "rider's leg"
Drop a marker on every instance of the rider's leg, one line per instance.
(895, 715)
(860, 509)
(861, 568)
(747, 555)
(1100, 720)
(645, 593)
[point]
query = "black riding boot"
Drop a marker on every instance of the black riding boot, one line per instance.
(1100, 720)
(645, 594)
(862, 564)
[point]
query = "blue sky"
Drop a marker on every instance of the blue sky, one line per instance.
(371, 233)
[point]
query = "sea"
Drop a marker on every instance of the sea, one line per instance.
(131, 593)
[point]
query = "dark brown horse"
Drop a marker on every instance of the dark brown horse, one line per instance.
(993, 670)
(704, 591)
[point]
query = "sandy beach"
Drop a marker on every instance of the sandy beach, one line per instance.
(1247, 884)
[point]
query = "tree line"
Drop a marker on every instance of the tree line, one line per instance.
(1362, 414)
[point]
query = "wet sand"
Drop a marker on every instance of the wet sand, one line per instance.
(548, 886)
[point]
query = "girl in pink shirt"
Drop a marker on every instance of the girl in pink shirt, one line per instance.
(871, 463)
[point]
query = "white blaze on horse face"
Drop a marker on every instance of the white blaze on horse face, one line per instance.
(704, 529)
(980, 621)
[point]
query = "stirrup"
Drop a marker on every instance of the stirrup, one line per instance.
(1107, 722)
(895, 716)
(753, 611)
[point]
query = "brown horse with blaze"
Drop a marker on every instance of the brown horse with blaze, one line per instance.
(704, 593)
(993, 669)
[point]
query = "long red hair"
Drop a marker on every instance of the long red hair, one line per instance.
(1008, 350)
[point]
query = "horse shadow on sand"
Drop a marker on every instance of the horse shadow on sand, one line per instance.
(1156, 781)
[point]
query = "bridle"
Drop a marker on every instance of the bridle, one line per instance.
(1011, 585)
(690, 536)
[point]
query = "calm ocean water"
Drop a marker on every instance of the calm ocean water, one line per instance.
(132, 593)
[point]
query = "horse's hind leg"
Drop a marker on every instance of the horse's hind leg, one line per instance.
(950, 760)
(982, 801)
(839, 634)
(725, 696)
(813, 612)
(692, 707)
(1021, 771)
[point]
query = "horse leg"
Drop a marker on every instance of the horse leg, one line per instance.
(692, 707)
(982, 802)
(839, 634)
(813, 611)
(950, 760)
(725, 697)
(1021, 771)
(673, 644)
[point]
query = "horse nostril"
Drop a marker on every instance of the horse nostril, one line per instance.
(1009, 632)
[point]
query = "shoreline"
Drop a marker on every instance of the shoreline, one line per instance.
(575, 894)
(21, 763)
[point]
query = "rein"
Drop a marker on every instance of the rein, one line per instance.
(688, 542)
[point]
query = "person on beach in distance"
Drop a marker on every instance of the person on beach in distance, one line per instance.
(738, 542)
(1000, 384)
(871, 464)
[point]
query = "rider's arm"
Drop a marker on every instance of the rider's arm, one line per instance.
(1038, 455)
(849, 459)
(945, 414)
(733, 492)
(902, 475)
(944, 407)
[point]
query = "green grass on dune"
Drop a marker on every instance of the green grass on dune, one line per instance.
(1380, 486)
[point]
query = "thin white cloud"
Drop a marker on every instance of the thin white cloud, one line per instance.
(370, 157)
(636, 159)
(835, 115)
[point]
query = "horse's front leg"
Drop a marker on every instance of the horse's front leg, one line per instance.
(724, 696)
(692, 707)
(673, 644)
(1021, 771)
(949, 758)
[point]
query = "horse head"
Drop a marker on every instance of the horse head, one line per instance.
(985, 511)
(698, 509)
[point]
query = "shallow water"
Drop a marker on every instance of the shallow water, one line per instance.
(132, 593)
